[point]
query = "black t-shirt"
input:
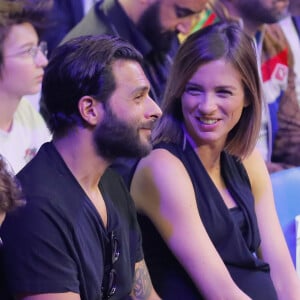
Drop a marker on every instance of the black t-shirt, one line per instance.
(58, 243)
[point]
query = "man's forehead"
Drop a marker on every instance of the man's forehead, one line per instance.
(129, 73)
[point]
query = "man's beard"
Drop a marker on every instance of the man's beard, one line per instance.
(256, 11)
(150, 26)
(114, 138)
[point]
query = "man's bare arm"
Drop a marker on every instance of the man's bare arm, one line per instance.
(142, 286)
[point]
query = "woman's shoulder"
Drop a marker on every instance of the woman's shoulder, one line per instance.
(256, 169)
(160, 175)
(161, 164)
(162, 155)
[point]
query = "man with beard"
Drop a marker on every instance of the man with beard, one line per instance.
(151, 26)
(77, 237)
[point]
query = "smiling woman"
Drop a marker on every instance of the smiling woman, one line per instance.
(212, 106)
(204, 197)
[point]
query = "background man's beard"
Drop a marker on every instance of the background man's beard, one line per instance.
(150, 26)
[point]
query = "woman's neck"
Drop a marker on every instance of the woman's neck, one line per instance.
(8, 107)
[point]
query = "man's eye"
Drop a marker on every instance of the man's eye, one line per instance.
(182, 12)
(139, 96)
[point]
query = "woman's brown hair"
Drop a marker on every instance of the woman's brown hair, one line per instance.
(219, 41)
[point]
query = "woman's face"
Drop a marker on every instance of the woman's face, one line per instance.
(212, 103)
(22, 71)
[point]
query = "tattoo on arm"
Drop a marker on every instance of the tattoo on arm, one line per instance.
(142, 285)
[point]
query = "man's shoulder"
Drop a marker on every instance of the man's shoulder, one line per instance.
(40, 159)
(47, 183)
(42, 171)
(93, 23)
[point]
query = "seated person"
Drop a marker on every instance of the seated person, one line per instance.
(204, 196)
(77, 238)
(23, 58)
(280, 129)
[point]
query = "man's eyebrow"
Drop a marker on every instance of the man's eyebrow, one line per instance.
(141, 89)
(182, 12)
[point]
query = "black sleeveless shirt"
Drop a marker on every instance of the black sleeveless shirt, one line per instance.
(235, 246)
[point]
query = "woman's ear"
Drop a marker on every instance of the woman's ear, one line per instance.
(90, 110)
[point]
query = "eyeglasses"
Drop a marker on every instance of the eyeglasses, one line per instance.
(32, 51)
(109, 286)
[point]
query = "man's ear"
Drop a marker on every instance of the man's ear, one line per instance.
(90, 110)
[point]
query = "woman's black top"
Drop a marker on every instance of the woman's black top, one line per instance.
(234, 233)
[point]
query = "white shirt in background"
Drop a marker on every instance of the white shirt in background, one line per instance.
(27, 134)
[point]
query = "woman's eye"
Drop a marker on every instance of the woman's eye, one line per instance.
(224, 93)
(193, 90)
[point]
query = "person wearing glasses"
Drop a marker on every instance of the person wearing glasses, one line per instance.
(204, 196)
(78, 236)
(22, 62)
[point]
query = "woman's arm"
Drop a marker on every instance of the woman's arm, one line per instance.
(162, 189)
(57, 296)
(273, 247)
